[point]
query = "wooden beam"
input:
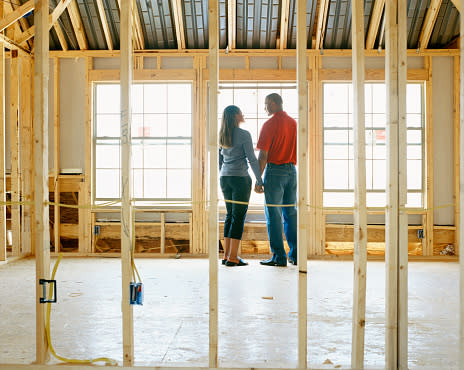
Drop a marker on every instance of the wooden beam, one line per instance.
(14, 154)
(429, 23)
(61, 37)
(461, 197)
(360, 211)
(179, 23)
(52, 18)
(374, 23)
(15, 15)
(428, 251)
(138, 26)
(213, 237)
(41, 221)
(126, 193)
(284, 23)
(11, 44)
(26, 155)
(303, 180)
(232, 24)
(321, 23)
(21, 25)
(2, 151)
(56, 151)
(456, 152)
(104, 22)
(77, 24)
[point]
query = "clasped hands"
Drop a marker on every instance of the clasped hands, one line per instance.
(259, 189)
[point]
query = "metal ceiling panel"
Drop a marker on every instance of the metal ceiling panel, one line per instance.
(92, 24)
(66, 26)
(338, 28)
(446, 26)
(196, 23)
(157, 23)
(257, 23)
(416, 14)
(310, 19)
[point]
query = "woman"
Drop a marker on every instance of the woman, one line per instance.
(235, 148)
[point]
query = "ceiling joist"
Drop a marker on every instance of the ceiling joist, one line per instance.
(232, 24)
(138, 26)
(59, 9)
(179, 23)
(321, 23)
(284, 24)
(77, 24)
(374, 23)
(104, 22)
(61, 38)
(429, 23)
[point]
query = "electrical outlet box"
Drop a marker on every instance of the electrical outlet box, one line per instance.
(96, 230)
(420, 233)
(136, 293)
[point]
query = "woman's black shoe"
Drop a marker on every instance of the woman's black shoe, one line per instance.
(224, 261)
(239, 263)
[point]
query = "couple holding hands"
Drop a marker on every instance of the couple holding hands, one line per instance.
(277, 155)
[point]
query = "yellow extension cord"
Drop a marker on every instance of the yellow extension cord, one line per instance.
(106, 360)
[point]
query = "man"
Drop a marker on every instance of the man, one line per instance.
(277, 144)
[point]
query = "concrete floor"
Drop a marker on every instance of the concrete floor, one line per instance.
(257, 313)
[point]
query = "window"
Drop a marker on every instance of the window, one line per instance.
(249, 97)
(339, 152)
(161, 141)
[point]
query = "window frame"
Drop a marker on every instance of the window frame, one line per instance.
(95, 138)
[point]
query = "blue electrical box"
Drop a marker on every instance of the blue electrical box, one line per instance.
(136, 293)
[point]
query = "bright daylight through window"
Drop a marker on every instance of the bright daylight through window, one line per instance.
(338, 144)
(161, 141)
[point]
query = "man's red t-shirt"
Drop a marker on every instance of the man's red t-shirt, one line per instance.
(278, 138)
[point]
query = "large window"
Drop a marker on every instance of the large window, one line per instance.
(249, 97)
(338, 144)
(161, 141)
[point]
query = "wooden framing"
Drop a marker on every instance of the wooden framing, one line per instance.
(461, 196)
(456, 152)
(2, 152)
(284, 24)
(126, 183)
(59, 9)
(56, 152)
(428, 251)
(78, 27)
(303, 185)
(15, 15)
(429, 23)
(41, 231)
(14, 155)
(321, 24)
(26, 154)
(396, 250)
(137, 34)
(360, 211)
(104, 22)
(231, 24)
(457, 4)
(179, 23)
(213, 229)
(374, 23)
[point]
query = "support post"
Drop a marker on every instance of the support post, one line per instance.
(2, 152)
(41, 227)
(56, 152)
(396, 238)
(14, 154)
(461, 197)
(360, 207)
(213, 227)
(126, 183)
(26, 154)
(429, 159)
(456, 154)
(303, 184)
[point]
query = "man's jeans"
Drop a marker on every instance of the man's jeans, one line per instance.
(280, 188)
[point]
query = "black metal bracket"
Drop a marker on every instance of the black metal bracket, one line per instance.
(44, 283)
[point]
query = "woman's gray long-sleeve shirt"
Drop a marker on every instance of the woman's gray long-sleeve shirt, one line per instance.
(233, 160)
